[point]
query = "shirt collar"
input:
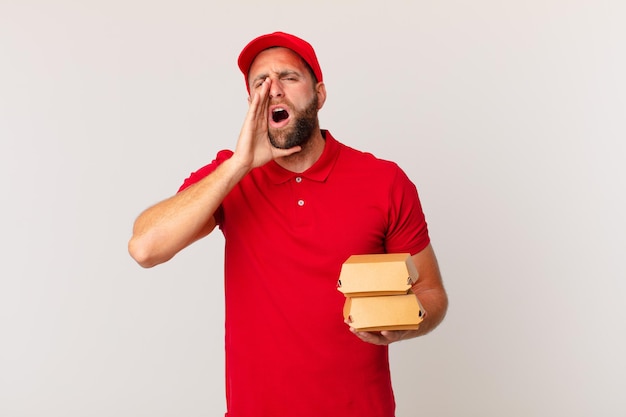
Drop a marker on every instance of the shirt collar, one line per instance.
(319, 171)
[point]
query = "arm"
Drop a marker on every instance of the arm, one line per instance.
(432, 295)
(166, 228)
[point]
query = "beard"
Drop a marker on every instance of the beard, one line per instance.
(299, 134)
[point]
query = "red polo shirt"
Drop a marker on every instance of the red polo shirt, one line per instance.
(288, 351)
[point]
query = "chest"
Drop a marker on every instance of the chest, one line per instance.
(344, 214)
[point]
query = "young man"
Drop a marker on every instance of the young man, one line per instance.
(293, 204)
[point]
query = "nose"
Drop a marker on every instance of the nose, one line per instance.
(276, 89)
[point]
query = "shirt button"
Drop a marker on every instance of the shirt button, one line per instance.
(298, 179)
(300, 203)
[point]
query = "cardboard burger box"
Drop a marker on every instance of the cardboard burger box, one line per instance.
(378, 292)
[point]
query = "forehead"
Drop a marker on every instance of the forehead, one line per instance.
(276, 60)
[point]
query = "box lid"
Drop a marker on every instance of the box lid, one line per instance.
(377, 274)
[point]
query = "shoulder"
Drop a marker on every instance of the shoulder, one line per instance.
(367, 163)
(199, 174)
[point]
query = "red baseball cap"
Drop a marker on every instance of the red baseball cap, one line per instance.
(285, 40)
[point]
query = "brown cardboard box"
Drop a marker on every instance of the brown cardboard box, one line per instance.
(378, 274)
(378, 292)
(386, 312)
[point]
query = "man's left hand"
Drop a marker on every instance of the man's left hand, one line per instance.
(385, 337)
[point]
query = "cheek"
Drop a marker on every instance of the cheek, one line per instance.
(303, 100)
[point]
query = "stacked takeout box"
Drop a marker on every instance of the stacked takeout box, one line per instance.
(378, 292)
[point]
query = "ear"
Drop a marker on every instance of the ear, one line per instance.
(320, 90)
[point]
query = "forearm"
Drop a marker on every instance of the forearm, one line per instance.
(430, 292)
(435, 304)
(164, 229)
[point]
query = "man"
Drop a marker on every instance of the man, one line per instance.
(293, 204)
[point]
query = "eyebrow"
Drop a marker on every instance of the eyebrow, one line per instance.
(279, 73)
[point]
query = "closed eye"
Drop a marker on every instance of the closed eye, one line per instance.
(259, 82)
(289, 75)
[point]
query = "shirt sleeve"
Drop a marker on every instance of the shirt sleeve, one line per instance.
(408, 230)
(196, 176)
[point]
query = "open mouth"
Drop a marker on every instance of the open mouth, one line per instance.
(279, 114)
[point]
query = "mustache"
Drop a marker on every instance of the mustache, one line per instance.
(281, 102)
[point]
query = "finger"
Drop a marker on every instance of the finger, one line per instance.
(279, 153)
(371, 337)
(262, 97)
(384, 337)
(392, 336)
(257, 109)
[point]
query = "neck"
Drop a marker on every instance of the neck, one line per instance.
(310, 153)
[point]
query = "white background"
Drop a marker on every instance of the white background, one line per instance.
(509, 117)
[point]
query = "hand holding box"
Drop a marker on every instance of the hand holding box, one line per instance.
(378, 292)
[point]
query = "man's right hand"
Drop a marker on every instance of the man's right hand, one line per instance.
(253, 146)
